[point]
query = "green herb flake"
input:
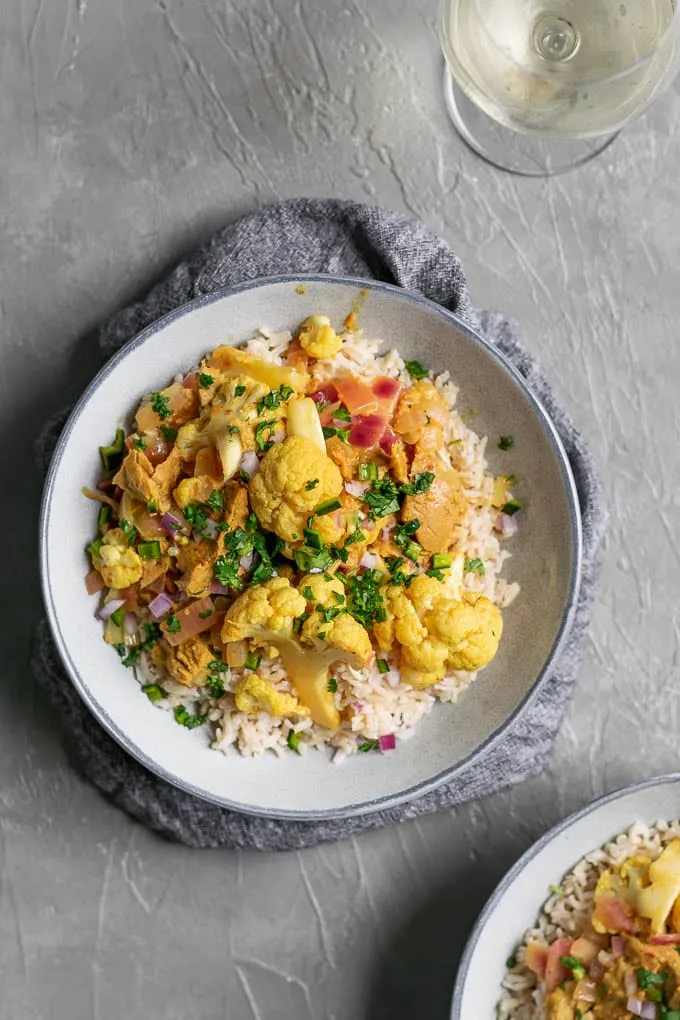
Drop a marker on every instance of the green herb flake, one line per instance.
(342, 434)
(648, 979)
(152, 506)
(205, 380)
(253, 660)
(511, 962)
(139, 443)
(655, 994)
(94, 547)
(383, 665)
(244, 476)
(118, 617)
(161, 405)
(506, 443)
(205, 615)
(169, 434)
(575, 966)
(370, 745)
(416, 370)
(475, 566)
(184, 718)
(420, 484)
(294, 740)
(511, 508)
(265, 426)
(327, 507)
(172, 625)
(129, 532)
(308, 593)
(153, 692)
(215, 685)
(225, 572)
(239, 390)
(578, 1014)
(602, 991)
(215, 500)
(364, 599)
(332, 685)
(312, 484)
(382, 498)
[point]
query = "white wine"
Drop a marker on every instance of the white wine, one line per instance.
(561, 69)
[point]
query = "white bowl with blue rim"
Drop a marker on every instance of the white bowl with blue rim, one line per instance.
(517, 900)
(546, 561)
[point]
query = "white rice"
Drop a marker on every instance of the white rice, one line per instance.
(383, 705)
(566, 911)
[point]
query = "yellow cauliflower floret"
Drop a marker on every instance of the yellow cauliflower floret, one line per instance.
(119, 565)
(341, 630)
(318, 337)
(278, 492)
(264, 612)
(255, 694)
(437, 633)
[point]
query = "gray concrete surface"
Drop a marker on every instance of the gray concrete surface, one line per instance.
(130, 129)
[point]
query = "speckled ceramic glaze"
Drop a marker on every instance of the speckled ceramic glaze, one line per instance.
(546, 554)
(517, 901)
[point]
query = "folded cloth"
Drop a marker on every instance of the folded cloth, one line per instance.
(350, 239)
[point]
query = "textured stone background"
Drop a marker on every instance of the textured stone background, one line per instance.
(130, 129)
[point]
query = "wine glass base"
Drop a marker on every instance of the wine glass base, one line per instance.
(509, 150)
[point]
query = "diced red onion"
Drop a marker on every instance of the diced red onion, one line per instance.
(358, 705)
(507, 525)
(246, 562)
(596, 970)
(646, 1010)
(109, 608)
(130, 623)
(210, 529)
(171, 523)
(278, 437)
(618, 946)
(586, 990)
(250, 463)
(387, 440)
(160, 605)
(367, 430)
(388, 742)
(327, 393)
(357, 489)
(218, 589)
(386, 532)
(385, 388)
(339, 423)
(368, 561)
(630, 982)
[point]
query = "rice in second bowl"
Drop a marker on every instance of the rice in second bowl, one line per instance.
(376, 706)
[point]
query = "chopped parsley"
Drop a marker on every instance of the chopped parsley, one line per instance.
(299, 620)
(205, 615)
(294, 740)
(118, 617)
(382, 498)
(403, 539)
(169, 434)
(332, 685)
(161, 405)
(394, 565)
(265, 426)
(312, 559)
(511, 962)
(308, 593)
(575, 966)
(215, 685)
(205, 380)
(239, 390)
(416, 370)
(506, 443)
(184, 718)
(172, 625)
(364, 601)
(342, 434)
(139, 443)
(152, 506)
(127, 529)
(327, 507)
(215, 500)
(153, 692)
(244, 476)
(421, 483)
(225, 572)
(648, 979)
(475, 566)
(512, 507)
(253, 660)
(312, 484)
(339, 553)
(370, 745)
(354, 536)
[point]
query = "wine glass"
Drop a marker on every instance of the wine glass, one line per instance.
(537, 87)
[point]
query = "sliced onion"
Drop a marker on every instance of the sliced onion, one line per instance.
(586, 990)
(597, 970)
(246, 562)
(387, 440)
(210, 530)
(388, 742)
(109, 608)
(130, 623)
(357, 489)
(368, 560)
(171, 523)
(619, 945)
(386, 532)
(250, 463)
(160, 605)
(646, 1010)
(215, 588)
(507, 525)
(630, 982)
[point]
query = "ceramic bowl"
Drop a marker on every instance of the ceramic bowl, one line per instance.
(517, 901)
(546, 555)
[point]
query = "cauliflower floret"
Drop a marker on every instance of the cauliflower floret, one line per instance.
(279, 492)
(436, 632)
(119, 565)
(264, 612)
(332, 626)
(255, 694)
(318, 337)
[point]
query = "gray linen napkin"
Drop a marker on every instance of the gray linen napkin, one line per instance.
(340, 238)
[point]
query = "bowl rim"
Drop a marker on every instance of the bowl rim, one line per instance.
(549, 837)
(445, 775)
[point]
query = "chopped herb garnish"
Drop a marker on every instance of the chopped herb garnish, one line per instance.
(327, 507)
(215, 500)
(215, 685)
(648, 979)
(118, 617)
(152, 634)
(152, 506)
(161, 405)
(370, 745)
(328, 614)
(129, 532)
(103, 515)
(139, 443)
(575, 966)
(233, 430)
(310, 559)
(184, 718)
(217, 666)
(435, 572)
(205, 380)
(332, 685)
(312, 538)
(169, 434)
(245, 477)
(172, 625)
(197, 517)
(339, 553)
(440, 561)
(149, 550)
(655, 995)
(394, 565)
(205, 615)
(474, 566)
(336, 594)
(506, 443)
(329, 432)
(153, 692)
(294, 740)
(112, 455)
(368, 472)
(383, 498)
(312, 485)
(253, 660)
(511, 962)
(601, 991)
(299, 620)
(225, 571)
(383, 665)
(354, 536)
(415, 369)
(262, 443)
(402, 538)
(511, 507)
(364, 600)
(239, 390)
(578, 1014)
(285, 391)
(421, 483)
(308, 593)
(342, 414)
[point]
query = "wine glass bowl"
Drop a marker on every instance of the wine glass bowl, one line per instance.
(569, 72)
